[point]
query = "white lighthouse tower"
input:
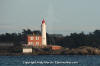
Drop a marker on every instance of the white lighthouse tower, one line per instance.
(43, 29)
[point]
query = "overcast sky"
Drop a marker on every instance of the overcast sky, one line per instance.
(61, 16)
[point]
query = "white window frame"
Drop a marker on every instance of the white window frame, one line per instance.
(31, 38)
(37, 37)
(29, 43)
(37, 43)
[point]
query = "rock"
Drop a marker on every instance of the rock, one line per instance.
(83, 50)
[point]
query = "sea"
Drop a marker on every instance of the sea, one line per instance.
(50, 60)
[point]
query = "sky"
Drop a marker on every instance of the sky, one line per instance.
(61, 16)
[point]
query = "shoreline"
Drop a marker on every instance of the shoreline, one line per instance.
(83, 50)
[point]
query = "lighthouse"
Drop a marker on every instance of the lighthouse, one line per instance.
(43, 30)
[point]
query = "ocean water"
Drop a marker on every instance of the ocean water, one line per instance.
(50, 60)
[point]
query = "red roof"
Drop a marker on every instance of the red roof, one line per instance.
(43, 21)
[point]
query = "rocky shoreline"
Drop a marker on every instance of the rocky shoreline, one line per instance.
(83, 50)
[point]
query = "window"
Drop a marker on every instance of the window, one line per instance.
(31, 37)
(37, 43)
(37, 37)
(30, 43)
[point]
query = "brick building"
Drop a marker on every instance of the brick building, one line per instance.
(35, 40)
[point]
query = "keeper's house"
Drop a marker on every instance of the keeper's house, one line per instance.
(35, 40)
